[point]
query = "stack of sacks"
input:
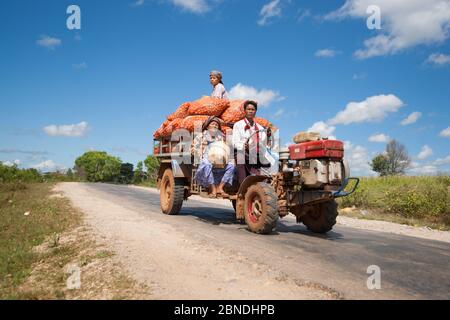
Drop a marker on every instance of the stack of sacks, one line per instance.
(190, 114)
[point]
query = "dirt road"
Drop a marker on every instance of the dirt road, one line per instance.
(204, 254)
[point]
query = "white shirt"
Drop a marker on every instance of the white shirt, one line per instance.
(240, 135)
(219, 92)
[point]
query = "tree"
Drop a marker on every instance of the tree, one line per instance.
(398, 158)
(126, 173)
(380, 164)
(152, 164)
(393, 162)
(139, 174)
(97, 166)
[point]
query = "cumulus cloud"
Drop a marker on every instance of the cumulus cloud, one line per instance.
(264, 97)
(379, 137)
(405, 24)
(323, 128)
(269, 11)
(412, 118)
(425, 152)
(194, 6)
(68, 130)
(49, 166)
(326, 53)
(438, 59)
(372, 109)
(48, 42)
(445, 133)
(358, 159)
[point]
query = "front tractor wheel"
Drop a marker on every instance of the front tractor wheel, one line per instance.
(171, 193)
(261, 208)
(321, 218)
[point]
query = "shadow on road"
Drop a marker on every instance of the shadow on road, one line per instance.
(218, 216)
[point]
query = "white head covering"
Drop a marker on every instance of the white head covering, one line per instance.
(216, 73)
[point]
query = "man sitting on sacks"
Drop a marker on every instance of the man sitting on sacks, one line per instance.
(250, 142)
(215, 170)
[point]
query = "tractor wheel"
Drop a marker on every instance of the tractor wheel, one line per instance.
(261, 208)
(171, 193)
(321, 218)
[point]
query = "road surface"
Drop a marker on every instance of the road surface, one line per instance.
(204, 254)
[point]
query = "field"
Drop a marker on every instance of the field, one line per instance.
(412, 200)
(41, 234)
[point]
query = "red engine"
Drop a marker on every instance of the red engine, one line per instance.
(333, 149)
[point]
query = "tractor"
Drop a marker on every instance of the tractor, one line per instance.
(309, 177)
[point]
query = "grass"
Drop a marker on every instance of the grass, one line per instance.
(20, 232)
(36, 248)
(411, 200)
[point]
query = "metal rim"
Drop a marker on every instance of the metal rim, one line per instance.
(255, 209)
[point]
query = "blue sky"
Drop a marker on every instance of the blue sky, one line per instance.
(311, 64)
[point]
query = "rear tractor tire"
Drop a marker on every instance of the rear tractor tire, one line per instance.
(320, 218)
(261, 208)
(171, 193)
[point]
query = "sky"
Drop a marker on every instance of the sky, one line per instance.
(330, 66)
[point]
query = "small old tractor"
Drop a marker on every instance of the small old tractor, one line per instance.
(309, 176)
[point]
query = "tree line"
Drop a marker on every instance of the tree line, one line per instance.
(92, 166)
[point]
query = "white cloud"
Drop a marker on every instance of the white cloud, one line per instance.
(195, 6)
(324, 129)
(423, 170)
(48, 42)
(445, 133)
(438, 59)
(441, 161)
(374, 108)
(138, 3)
(412, 118)
(268, 11)
(49, 166)
(8, 163)
(425, 152)
(358, 159)
(279, 113)
(70, 130)
(264, 97)
(405, 24)
(303, 14)
(326, 53)
(379, 137)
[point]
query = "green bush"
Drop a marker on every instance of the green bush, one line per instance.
(410, 197)
(14, 174)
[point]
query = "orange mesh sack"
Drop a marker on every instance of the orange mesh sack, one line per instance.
(190, 122)
(235, 112)
(158, 133)
(172, 126)
(208, 106)
(263, 122)
(182, 112)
